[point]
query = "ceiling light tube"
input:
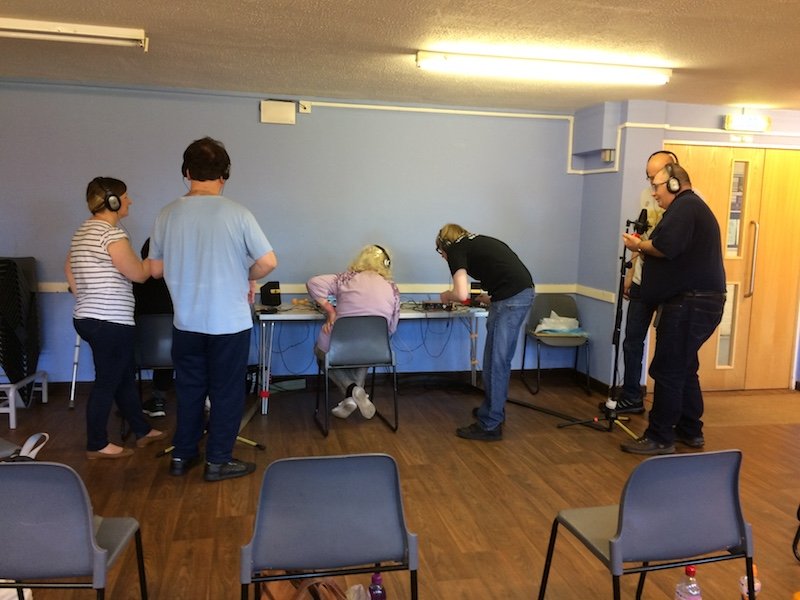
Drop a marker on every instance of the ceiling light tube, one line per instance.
(26, 29)
(542, 70)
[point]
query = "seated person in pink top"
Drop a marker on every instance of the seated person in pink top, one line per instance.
(365, 288)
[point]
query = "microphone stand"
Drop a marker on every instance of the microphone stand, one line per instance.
(609, 407)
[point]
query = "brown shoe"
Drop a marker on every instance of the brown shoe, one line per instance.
(93, 454)
(149, 439)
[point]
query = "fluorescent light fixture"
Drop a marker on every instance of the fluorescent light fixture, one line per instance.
(541, 69)
(26, 29)
(747, 122)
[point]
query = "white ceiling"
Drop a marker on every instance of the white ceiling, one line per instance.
(736, 52)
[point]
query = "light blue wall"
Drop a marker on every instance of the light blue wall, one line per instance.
(338, 179)
(344, 177)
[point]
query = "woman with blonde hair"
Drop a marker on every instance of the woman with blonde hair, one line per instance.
(365, 288)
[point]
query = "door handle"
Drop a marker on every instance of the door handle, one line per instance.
(752, 289)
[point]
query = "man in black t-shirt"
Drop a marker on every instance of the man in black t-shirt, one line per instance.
(509, 288)
(683, 274)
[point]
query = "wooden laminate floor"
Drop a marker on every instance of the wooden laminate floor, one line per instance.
(482, 510)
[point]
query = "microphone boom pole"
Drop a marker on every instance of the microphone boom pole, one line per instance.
(609, 407)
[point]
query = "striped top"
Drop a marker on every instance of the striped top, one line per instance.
(102, 292)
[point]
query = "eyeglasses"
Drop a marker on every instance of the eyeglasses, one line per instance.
(654, 185)
(439, 250)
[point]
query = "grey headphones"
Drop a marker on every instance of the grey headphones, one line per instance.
(387, 261)
(110, 200)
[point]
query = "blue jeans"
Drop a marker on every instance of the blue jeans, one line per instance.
(684, 323)
(114, 379)
(636, 323)
(502, 332)
(213, 366)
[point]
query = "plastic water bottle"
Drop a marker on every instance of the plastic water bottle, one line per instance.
(743, 584)
(688, 587)
(376, 591)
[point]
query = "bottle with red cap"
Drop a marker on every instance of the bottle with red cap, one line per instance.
(688, 587)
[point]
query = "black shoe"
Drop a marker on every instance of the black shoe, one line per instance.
(693, 442)
(476, 432)
(181, 466)
(154, 408)
(630, 407)
(647, 446)
(228, 470)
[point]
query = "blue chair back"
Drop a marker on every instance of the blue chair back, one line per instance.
(360, 341)
(679, 506)
(330, 512)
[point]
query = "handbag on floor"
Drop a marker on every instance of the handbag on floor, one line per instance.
(318, 588)
(11, 453)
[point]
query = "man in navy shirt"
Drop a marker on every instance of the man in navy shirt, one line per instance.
(683, 275)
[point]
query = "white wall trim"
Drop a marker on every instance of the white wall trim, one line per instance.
(59, 287)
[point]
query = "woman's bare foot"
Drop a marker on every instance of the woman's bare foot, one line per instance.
(109, 451)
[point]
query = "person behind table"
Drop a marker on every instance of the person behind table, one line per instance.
(683, 274)
(510, 292)
(640, 314)
(366, 288)
(100, 267)
(152, 298)
(210, 250)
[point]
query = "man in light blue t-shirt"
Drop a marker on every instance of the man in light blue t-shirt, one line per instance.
(209, 249)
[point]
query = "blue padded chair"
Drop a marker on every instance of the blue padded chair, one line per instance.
(333, 515)
(357, 342)
(48, 531)
(675, 510)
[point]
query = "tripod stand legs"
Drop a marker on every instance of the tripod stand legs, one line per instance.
(248, 414)
(609, 416)
(240, 439)
(591, 423)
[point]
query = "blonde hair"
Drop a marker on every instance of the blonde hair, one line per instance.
(450, 234)
(373, 258)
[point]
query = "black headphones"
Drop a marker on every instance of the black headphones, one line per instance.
(110, 200)
(223, 162)
(387, 261)
(673, 185)
(443, 244)
(225, 172)
(667, 152)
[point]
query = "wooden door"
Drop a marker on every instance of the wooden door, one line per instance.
(772, 348)
(755, 195)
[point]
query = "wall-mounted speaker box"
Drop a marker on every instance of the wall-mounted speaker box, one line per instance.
(271, 293)
(282, 112)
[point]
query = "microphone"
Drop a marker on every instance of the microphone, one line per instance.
(640, 225)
